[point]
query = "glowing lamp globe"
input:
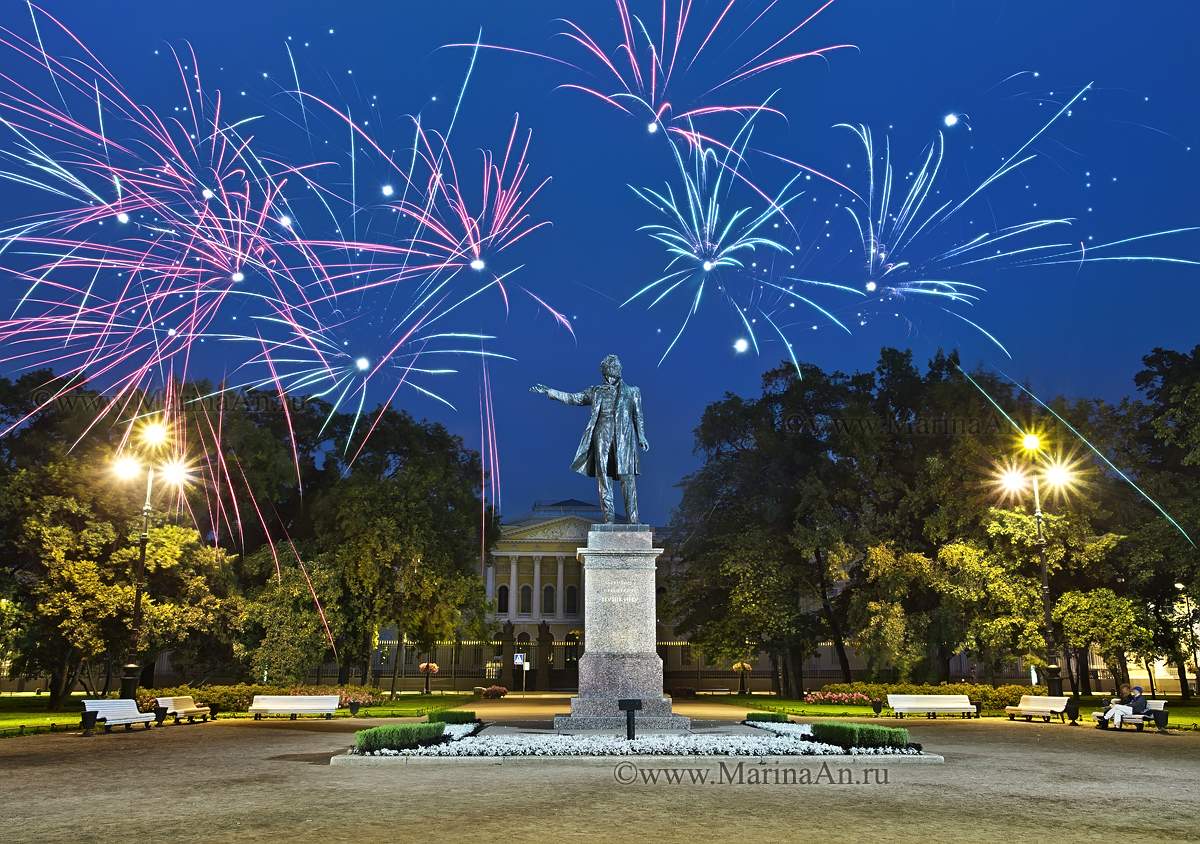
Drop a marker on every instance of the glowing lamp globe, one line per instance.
(1012, 480)
(153, 434)
(478, 264)
(174, 473)
(1058, 476)
(1031, 442)
(362, 364)
(740, 345)
(126, 468)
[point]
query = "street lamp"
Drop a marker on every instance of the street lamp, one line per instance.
(152, 437)
(1014, 480)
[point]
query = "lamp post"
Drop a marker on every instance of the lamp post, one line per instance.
(153, 437)
(1014, 480)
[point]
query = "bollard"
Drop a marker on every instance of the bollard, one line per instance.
(629, 706)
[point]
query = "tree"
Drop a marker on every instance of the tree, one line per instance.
(1171, 383)
(282, 633)
(401, 530)
(1102, 618)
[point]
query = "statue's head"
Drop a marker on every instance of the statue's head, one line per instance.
(610, 368)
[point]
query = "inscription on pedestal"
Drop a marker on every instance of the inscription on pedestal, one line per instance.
(619, 593)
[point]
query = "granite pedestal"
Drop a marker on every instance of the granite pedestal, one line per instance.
(620, 658)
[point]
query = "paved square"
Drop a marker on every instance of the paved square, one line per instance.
(249, 781)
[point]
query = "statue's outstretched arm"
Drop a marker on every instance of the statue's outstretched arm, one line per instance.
(584, 397)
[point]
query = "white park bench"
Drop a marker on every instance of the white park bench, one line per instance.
(930, 705)
(113, 712)
(1156, 713)
(183, 707)
(294, 705)
(1038, 705)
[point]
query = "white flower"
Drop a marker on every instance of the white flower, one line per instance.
(785, 740)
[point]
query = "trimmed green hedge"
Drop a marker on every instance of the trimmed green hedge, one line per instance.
(397, 737)
(452, 716)
(777, 717)
(859, 735)
(236, 698)
(992, 697)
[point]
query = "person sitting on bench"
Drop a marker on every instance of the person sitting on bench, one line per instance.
(1131, 703)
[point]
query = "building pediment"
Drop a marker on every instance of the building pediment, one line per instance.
(561, 529)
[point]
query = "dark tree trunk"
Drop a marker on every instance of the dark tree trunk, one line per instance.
(62, 680)
(776, 687)
(835, 627)
(794, 673)
(1121, 670)
(1180, 661)
(367, 652)
(344, 672)
(1072, 678)
(1084, 670)
(108, 666)
(942, 662)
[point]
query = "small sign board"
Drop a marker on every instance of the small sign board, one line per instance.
(519, 659)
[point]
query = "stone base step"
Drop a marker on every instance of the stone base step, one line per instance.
(578, 723)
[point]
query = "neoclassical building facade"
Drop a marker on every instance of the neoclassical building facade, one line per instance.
(532, 574)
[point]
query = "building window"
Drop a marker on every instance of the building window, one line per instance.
(572, 600)
(548, 600)
(502, 600)
(523, 638)
(526, 600)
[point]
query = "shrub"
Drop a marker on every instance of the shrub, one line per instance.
(843, 698)
(397, 737)
(777, 717)
(859, 735)
(495, 692)
(452, 716)
(992, 697)
(237, 698)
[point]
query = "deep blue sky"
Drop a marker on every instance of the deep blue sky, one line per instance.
(1078, 332)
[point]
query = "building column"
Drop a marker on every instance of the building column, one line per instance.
(514, 594)
(580, 599)
(490, 580)
(536, 605)
(558, 589)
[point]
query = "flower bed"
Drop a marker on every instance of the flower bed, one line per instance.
(784, 742)
(843, 698)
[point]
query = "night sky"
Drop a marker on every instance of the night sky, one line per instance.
(1121, 164)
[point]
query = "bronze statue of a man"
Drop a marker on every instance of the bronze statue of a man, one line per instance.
(609, 447)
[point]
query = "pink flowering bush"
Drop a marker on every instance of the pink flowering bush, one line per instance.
(840, 698)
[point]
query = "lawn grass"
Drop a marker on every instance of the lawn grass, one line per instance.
(1182, 716)
(29, 710)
